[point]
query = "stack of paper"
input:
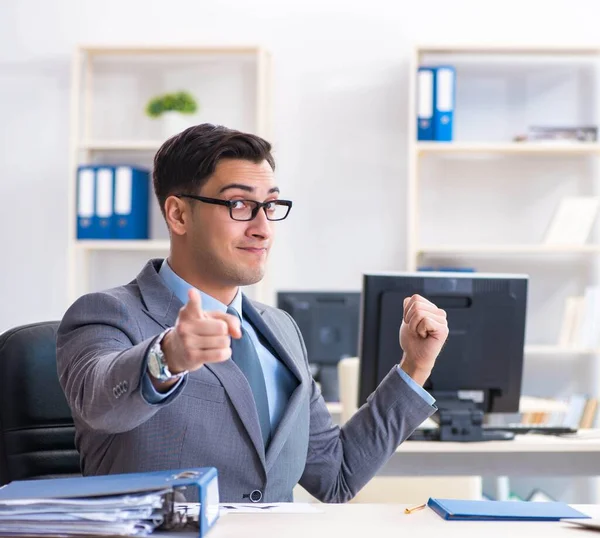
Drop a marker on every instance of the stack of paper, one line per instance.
(118, 515)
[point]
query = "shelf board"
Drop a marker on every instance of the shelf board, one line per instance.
(508, 249)
(167, 49)
(552, 350)
(507, 49)
(517, 148)
(123, 245)
(121, 145)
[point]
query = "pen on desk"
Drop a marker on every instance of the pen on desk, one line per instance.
(414, 508)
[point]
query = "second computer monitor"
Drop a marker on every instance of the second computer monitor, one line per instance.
(329, 323)
(482, 358)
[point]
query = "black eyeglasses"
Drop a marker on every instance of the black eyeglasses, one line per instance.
(245, 210)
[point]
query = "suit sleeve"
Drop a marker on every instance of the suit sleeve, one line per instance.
(101, 359)
(340, 461)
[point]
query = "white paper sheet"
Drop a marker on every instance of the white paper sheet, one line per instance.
(269, 508)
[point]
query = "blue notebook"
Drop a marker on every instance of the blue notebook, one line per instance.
(453, 509)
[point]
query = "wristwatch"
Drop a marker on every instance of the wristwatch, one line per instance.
(157, 364)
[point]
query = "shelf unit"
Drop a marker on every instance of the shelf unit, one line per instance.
(483, 153)
(420, 150)
(86, 146)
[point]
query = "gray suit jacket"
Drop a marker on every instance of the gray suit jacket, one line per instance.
(211, 420)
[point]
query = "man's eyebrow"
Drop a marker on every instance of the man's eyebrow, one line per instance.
(243, 187)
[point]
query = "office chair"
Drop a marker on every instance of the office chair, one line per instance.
(37, 435)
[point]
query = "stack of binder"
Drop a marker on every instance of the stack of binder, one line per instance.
(132, 504)
(435, 103)
(112, 202)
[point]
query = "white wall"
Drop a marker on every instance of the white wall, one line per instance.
(340, 117)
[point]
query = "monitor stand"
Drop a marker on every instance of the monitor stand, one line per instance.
(460, 421)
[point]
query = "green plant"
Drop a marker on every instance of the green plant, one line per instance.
(179, 101)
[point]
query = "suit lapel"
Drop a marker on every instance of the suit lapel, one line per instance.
(240, 394)
(161, 304)
(265, 323)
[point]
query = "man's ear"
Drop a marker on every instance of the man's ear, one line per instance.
(177, 214)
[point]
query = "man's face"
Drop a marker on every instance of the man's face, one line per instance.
(230, 252)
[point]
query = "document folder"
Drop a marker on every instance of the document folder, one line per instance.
(78, 504)
(86, 211)
(104, 203)
(443, 110)
(425, 102)
(453, 509)
(131, 203)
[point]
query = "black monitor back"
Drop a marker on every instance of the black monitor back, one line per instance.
(328, 322)
(484, 350)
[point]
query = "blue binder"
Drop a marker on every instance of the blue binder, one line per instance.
(453, 509)
(425, 96)
(103, 218)
(205, 479)
(131, 202)
(444, 101)
(85, 202)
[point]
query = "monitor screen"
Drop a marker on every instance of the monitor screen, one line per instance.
(482, 358)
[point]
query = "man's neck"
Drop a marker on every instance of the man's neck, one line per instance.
(224, 294)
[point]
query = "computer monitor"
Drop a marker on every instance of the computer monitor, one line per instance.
(479, 369)
(328, 322)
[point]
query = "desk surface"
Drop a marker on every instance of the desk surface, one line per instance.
(583, 441)
(383, 520)
(526, 455)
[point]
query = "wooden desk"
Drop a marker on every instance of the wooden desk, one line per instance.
(381, 521)
(526, 455)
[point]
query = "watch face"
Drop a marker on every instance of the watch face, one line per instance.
(154, 365)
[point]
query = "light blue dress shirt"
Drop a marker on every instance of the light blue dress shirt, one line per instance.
(279, 381)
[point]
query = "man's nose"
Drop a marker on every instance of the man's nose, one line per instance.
(260, 225)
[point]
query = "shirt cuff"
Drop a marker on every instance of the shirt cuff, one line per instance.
(151, 395)
(415, 386)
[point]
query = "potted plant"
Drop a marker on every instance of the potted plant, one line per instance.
(174, 109)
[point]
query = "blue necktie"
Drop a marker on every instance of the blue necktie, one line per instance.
(245, 356)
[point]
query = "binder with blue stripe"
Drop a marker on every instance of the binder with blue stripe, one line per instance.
(103, 217)
(131, 202)
(425, 98)
(85, 196)
(444, 101)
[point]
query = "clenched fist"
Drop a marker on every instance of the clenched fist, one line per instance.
(423, 332)
(198, 337)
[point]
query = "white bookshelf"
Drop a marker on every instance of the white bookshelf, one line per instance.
(92, 142)
(434, 165)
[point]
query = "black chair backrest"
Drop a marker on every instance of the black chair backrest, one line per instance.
(37, 435)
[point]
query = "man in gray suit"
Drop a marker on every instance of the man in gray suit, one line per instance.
(179, 369)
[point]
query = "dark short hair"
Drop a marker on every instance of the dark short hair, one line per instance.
(186, 161)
